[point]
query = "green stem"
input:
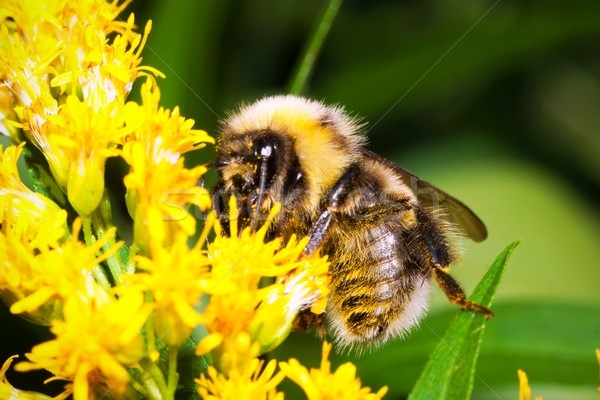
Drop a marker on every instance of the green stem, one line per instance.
(173, 377)
(305, 65)
(153, 380)
(138, 387)
(130, 267)
(98, 271)
(102, 218)
(150, 334)
(114, 265)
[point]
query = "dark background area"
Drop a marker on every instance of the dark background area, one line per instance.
(496, 103)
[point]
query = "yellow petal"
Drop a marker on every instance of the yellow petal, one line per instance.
(118, 72)
(209, 343)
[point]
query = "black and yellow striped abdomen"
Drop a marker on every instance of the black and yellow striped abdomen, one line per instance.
(378, 289)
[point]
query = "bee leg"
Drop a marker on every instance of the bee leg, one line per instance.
(432, 243)
(219, 208)
(337, 195)
(307, 320)
(318, 232)
(455, 292)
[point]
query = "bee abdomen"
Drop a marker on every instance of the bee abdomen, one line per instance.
(376, 297)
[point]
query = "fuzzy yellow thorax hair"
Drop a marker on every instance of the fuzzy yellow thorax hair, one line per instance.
(325, 139)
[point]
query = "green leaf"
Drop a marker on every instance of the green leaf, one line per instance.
(189, 366)
(306, 63)
(450, 370)
(40, 178)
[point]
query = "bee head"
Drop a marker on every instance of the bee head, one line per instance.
(294, 147)
(242, 160)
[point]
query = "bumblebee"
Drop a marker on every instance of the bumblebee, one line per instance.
(387, 233)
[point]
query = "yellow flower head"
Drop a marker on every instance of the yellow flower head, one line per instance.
(59, 273)
(246, 380)
(7, 114)
(68, 40)
(94, 343)
(85, 138)
(7, 391)
(158, 180)
(322, 384)
(165, 134)
(174, 277)
(163, 189)
(20, 244)
(18, 201)
(28, 49)
(237, 304)
(103, 70)
(237, 265)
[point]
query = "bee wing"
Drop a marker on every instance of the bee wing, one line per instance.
(430, 196)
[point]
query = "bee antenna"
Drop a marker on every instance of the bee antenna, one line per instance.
(261, 192)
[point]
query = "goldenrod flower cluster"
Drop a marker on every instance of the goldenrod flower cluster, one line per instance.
(121, 311)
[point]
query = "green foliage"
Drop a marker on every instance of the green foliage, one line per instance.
(450, 370)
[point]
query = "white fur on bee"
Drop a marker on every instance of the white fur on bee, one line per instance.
(414, 311)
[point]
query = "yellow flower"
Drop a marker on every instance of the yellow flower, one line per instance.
(96, 341)
(321, 384)
(598, 357)
(174, 276)
(31, 224)
(29, 49)
(158, 180)
(59, 273)
(85, 137)
(306, 286)
(226, 317)
(7, 391)
(165, 134)
(237, 265)
(19, 268)
(247, 380)
(7, 113)
(524, 390)
(164, 189)
(103, 69)
(18, 200)
(68, 40)
(239, 261)
(238, 306)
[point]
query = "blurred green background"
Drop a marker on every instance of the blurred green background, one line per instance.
(497, 103)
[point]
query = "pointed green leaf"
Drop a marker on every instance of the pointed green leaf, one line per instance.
(450, 370)
(40, 178)
(189, 366)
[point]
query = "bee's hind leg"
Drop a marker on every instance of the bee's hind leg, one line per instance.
(432, 240)
(455, 292)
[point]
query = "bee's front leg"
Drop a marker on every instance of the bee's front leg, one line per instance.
(335, 199)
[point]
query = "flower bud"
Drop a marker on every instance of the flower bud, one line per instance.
(43, 315)
(273, 321)
(86, 184)
(7, 391)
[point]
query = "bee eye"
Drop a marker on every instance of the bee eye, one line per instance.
(266, 149)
